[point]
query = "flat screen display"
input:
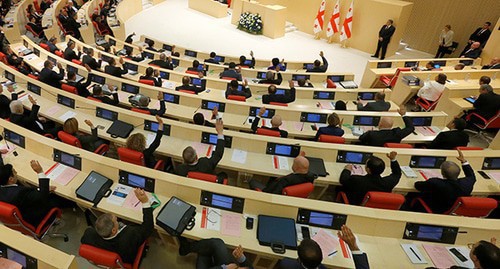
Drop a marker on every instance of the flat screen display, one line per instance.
(280, 91)
(313, 117)
(430, 232)
(97, 79)
(222, 201)
(283, 150)
(212, 105)
(17, 257)
(427, 162)
(322, 219)
(366, 120)
(67, 159)
(336, 78)
(354, 157)
(366, 95)
(219, 59)
(137, 181)
(130, 88)
(384, 65)
(164, 75)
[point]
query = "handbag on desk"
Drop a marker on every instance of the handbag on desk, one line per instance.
(176, 216)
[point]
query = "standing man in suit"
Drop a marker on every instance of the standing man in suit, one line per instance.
(117, 237)
(318, 67)
(34, 203)
(440, 193)
(204, 164)
(300, 175)
(379, 105)
(286, 98)
(387, 134)
(356, 186)
(49, 76)
(384, 37)
(456, 137)
(481, 35)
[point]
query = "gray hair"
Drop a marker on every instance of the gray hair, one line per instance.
(104, 225)
(450, 170)
(16, 107)
(486, 87)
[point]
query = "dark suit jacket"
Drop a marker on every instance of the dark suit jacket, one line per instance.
(245, 92)
(375, 106)
(88, 141)
(36, 27)
(107, 100)
(70, 54)
(81, 87)
(255, 126)
(51, 77)
(277, 185)
(193, 88)
(329, 130)
(288, 97)
(395, 135)
(204, 164)
(495, 66)
(128, 241)
(481, 38)
(450, 140)
(149, 157)
(28, 122)
(472, 54)
(115, 70)
(93, 64)
(321, 68)
(272, 81)
(231, 73)
(163, 64)
(30, 201)
(360, 262)
(440, 194)
(356, 186)
(156, 81)
(4, 107)
(386, 34)
(487, 104)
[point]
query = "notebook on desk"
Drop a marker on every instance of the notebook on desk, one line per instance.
(317, 166)
(276, 230)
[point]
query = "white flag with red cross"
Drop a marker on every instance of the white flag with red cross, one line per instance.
(334, 23)
(320, 18)
(346, 31)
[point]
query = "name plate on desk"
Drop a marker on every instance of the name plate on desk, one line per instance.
(491, 163)
(431, 233)
(366, 120)
(313, 117)
(66, 101)
(208, 138)
(225, 202)
(254, 111)
(14, 138)
(68, 159)
(353, 157)
(321, 219)
(136, 181)
(34, 88)
(205, 104)
(27, 262)
(426, 161)
(153, 127)
(282, 150)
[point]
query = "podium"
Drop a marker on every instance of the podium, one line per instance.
(273, 16)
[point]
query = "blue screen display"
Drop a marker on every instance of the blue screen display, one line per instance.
(427, 162)
(336, 78)
(196, 81)
(261, 75)
(107, 114)
(132, 67)
(67, 159)
(354, 157)
(98, 79)
(366, 120)
(313, 117)
(164, 75)
(169, 97)
(136, 181)
(154, 126)
(130, 88)
(248, 62)
(222, 201)
(283, 150)
(280, 91)
(266, 114)
(297, 77)
(219, 59)
(66, 101)
(308, 66)
(367, 96)
(148, 55)
(321, 219)
(17, 257)
(323, 95)
(190, 53)
(429, 232)
(418, 121)
(495, 163)
(211, 105)
(212, 139)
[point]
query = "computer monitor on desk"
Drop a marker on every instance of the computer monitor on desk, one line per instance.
(366, 120)
(97, 79)
(27, 262)
(133, 89)
(338, 78)
(191, 53)
(384, 65)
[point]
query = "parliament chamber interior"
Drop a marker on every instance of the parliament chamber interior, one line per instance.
(249, 134)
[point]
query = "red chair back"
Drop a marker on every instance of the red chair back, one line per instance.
(192, 72)
(268, 132)
(69, 88)
(278, 104)
(473, 207)
(240, 98)
(143, 111)
(228, 78)
(59, 53)
(299, 190)
(396, 75)
(33, 76)
(187, 91)
(427, 105)
(469, 148)
(331, 139)
(398, 145)
(69, 139)
(205, 177)
(493, 122)
(28, 28)
(3, 58)
(36, 6)
(383, 200)
(77, 62)
(45, 46)
(147, 81)
(131, 156)
(94, 99)
(100, 257)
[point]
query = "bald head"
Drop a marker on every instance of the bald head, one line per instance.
(276, 121)
(450, 170)
(300, 165)
(475, 45)
(385, 123)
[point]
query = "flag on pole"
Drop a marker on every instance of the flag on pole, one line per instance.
(333, 24)
(346, 33)
(320, 18)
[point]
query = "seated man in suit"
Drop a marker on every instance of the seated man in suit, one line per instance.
(277, 65)
(233, 89)
(163, 62)
(88, 59)
(98, 94)
(144, 103)
(318, 67)
(231, 72)
(485, 255)
(456, 137)
(334, 127)
(52, 44)
(270, 78)
(474, 51)
(244, 63)
(114, 70)
(124, 240)
(204, 164)
(311, 256)
(150, 75)
(186, 85)
(212, 253)
(494, 64)
(36, 27)
(34, 203)
(212, 58)
(304, 83)
(17, 62)
(80, 87)
(486, 105)
(136, 58)
(300, 175)
(271, 95)
(197, 67)
(440, 193)
(276, 122)
(29, 122)
(356, 186)
(199, 118)
(69, 23)
(69, 52)
(387, 134)
(5, 102)
(379, 105)
(49, 76)
(150, 45)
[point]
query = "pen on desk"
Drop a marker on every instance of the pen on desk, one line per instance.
(136, 204)
(301, 128)
(197, 109)
(246, 119)
(415, 254)
(332, 253)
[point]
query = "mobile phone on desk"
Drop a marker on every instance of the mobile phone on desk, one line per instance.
(484, 175)
(306, 234)
(249, 223)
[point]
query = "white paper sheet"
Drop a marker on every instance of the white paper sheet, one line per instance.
(413, 253)
(67, 115)
(239, 156)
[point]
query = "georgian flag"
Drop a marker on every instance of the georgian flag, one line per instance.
(320, 18)
(333, 24)
(346, 33)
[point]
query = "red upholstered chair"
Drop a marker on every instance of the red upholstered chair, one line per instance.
(72, 140)
(330, 84)
(135, 157)
(469, 148)
(33, 76)
(483, 124)
(3, 58)
(101, 32)
(228, 3)
(390, 80)
(29, 29)
(240, 98)
(192, 72)
(268, 132)
(426, 105)
(278, 104)
(473, 207)
(69, 88)
(228, 78)
(36, 6)
(205, 177)
(398, 145)
(331, 139)
(299, 190)
(59, 53)
(383, 200)
(422, 203)
(94, 99)
(187, 91)
(147, 81)
(63, 30)
(45, 46)
(143, 111)
(78, 62)
(11, 217)
(108, 259)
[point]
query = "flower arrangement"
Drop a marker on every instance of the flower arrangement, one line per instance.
(251, 23)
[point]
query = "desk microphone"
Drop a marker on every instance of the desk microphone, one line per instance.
(47, 91)
(82, 107)
(139, 125)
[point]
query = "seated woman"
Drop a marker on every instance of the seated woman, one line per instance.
(137, 142)
(334, 127)
(89, 142)
(150, 75)
(431, 91)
